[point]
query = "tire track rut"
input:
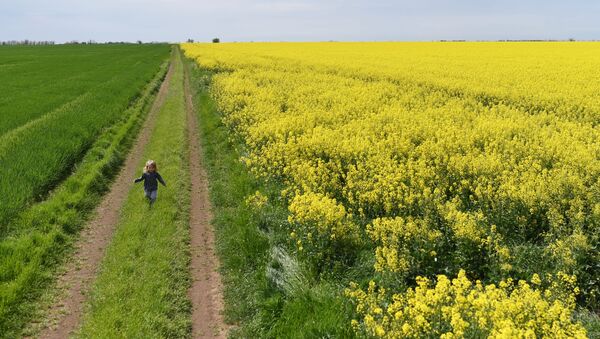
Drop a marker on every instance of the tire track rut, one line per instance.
(206, 290)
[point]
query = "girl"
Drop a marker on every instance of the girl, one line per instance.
(150, 178)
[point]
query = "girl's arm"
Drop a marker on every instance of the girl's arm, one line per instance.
(139, 179)
(160, 179)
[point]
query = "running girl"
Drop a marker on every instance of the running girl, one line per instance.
(150, 177)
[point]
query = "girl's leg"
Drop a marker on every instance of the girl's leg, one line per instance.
(153, 196)
(148, 195)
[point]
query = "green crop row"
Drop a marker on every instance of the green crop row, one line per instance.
(35, 80)
(38, 155)
(43, 233)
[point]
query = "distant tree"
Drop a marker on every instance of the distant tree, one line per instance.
(216, 40)
(190, 40)
(139, 42)
(571, 39)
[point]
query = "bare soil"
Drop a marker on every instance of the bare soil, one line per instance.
(64, 316)
(206, 290)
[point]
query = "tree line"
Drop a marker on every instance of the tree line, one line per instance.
(27, 42)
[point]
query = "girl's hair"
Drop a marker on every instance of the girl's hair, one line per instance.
(150, 164)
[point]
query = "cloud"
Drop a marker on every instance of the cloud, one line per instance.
(245, 20)
(287, 6)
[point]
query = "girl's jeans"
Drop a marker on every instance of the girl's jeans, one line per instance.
(151, 195)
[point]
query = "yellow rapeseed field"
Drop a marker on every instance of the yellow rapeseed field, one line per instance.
(479, 161)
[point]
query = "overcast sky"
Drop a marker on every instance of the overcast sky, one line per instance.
(297, 20)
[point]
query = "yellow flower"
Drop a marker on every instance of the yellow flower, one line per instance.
(469, 309)
(449, 154)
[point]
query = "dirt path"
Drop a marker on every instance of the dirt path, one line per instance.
(206, 290)
(65, 315)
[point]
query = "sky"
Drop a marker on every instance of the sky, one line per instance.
(298, 20)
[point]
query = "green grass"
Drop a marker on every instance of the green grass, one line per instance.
(56, 101)
(35, 80)
(43, 234)
(141, 291)
(268, 293)
(590, 320)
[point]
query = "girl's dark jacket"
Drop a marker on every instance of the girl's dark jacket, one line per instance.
(150, 180)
